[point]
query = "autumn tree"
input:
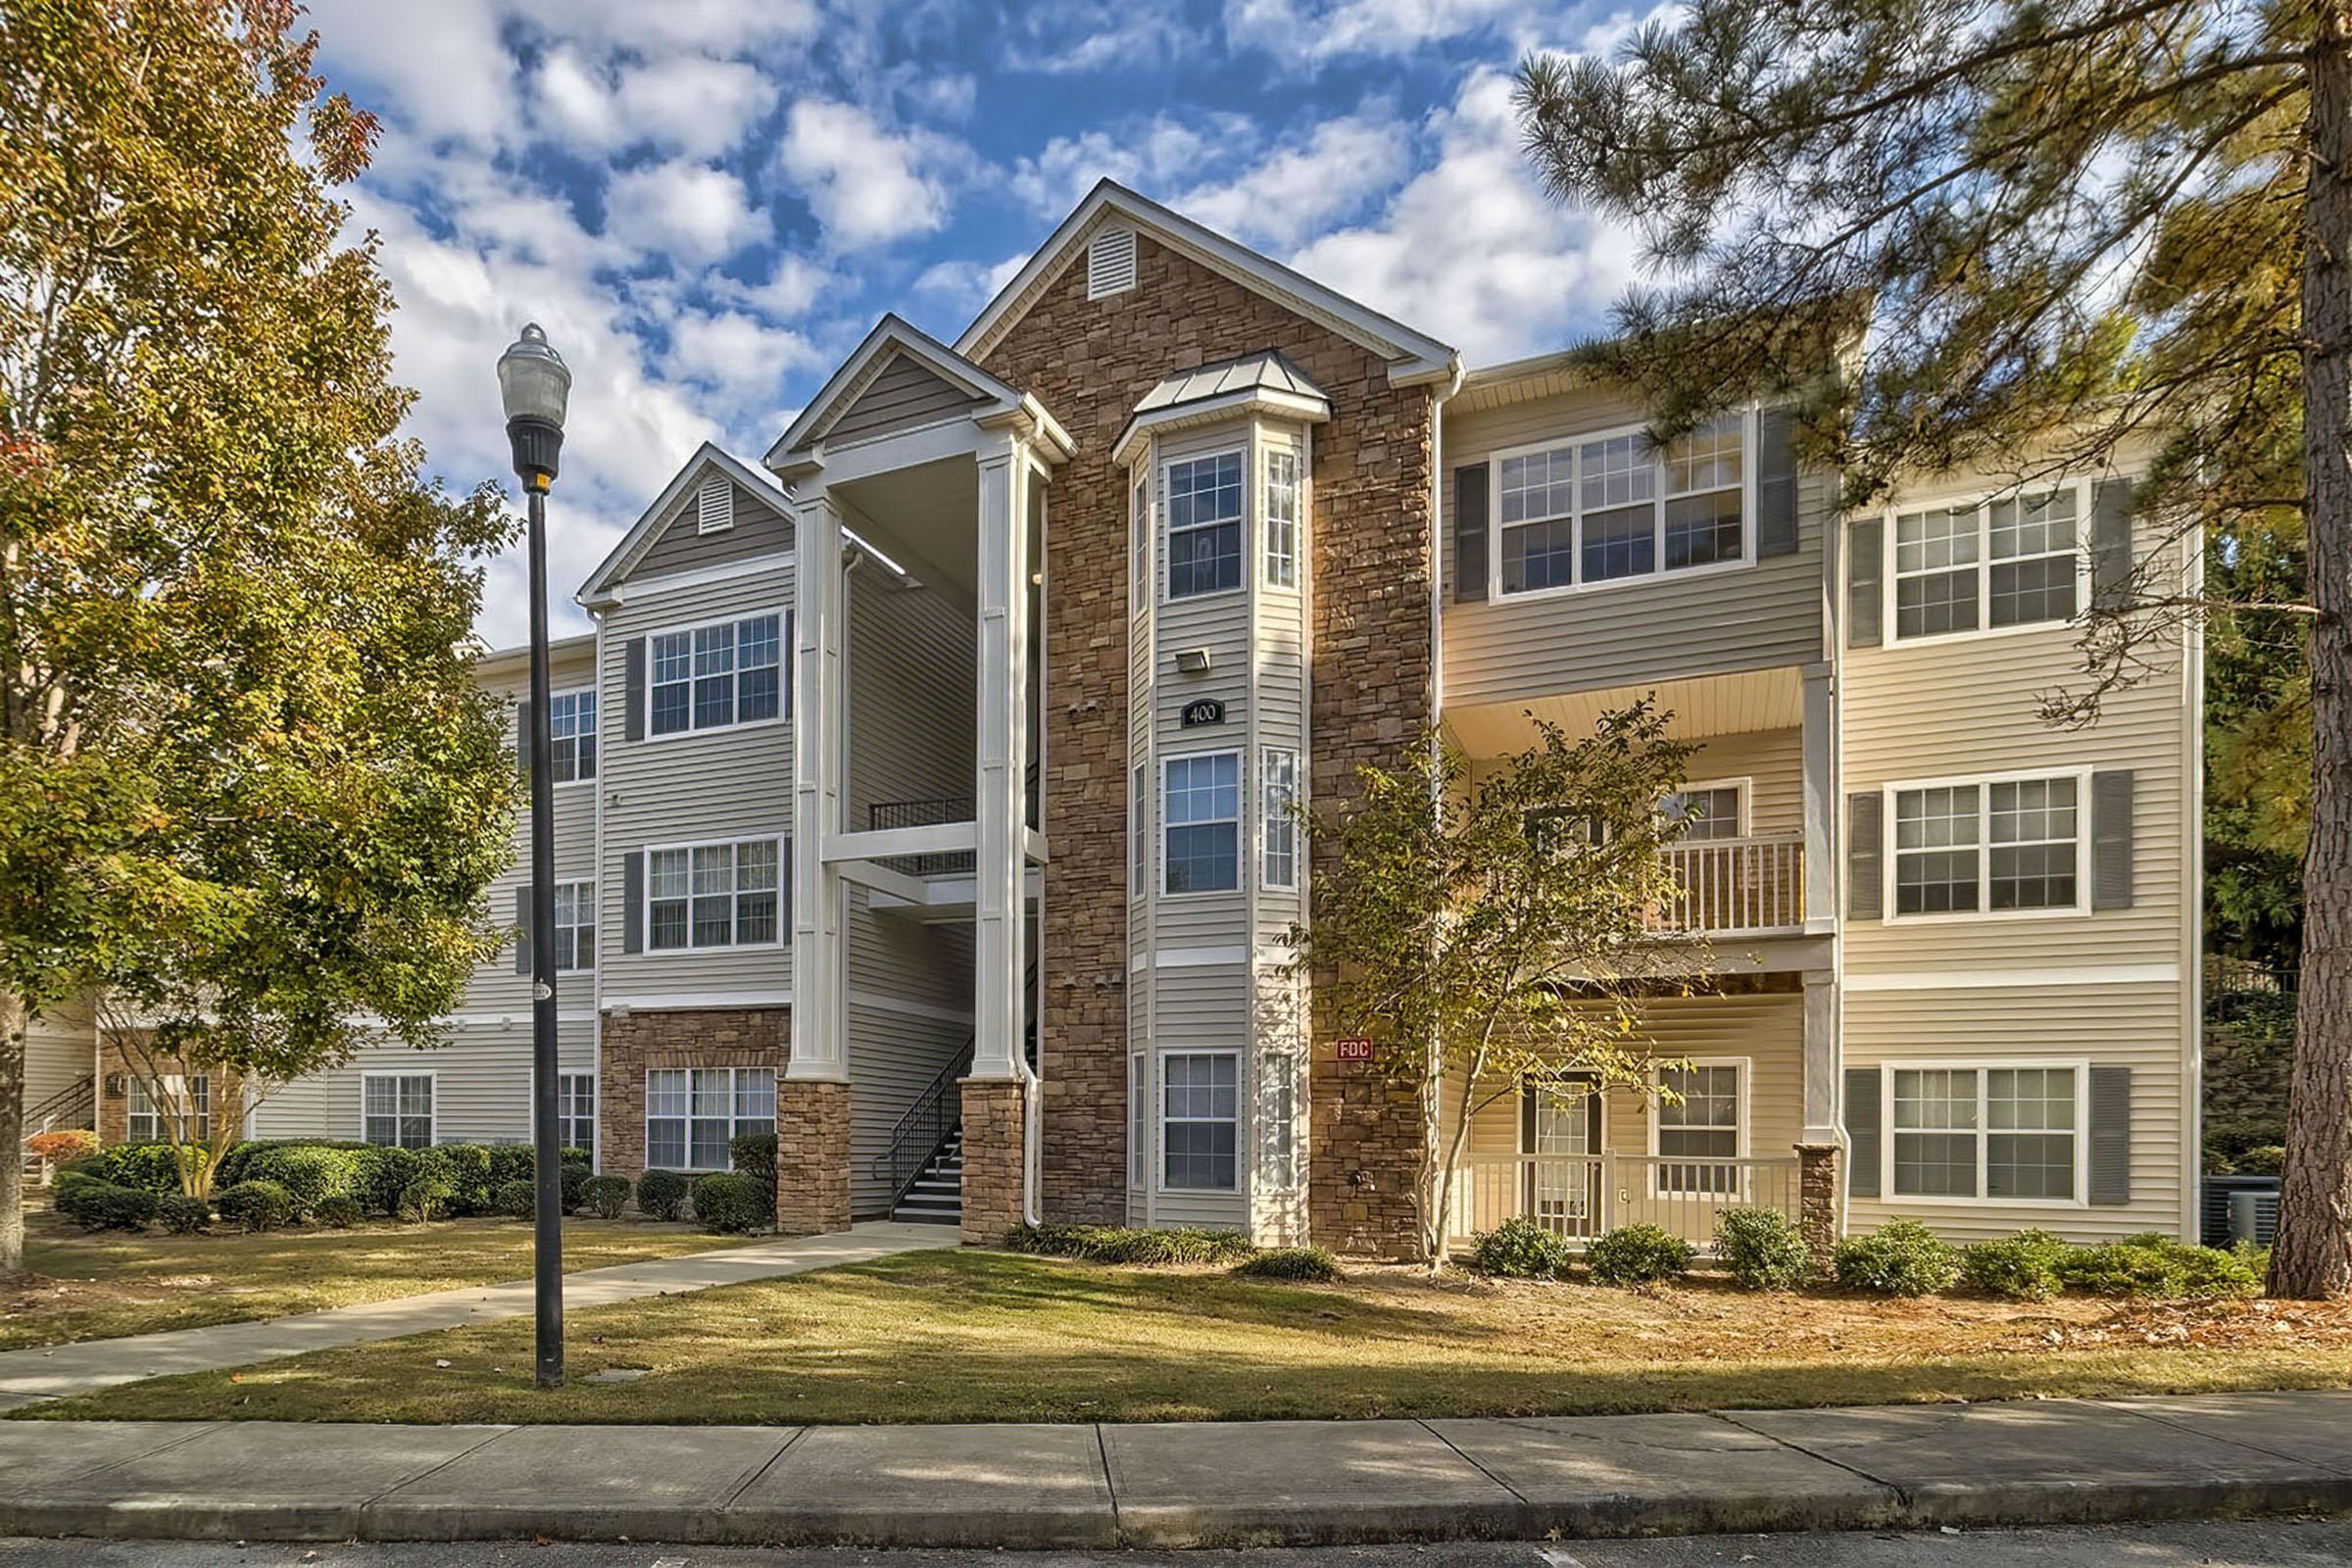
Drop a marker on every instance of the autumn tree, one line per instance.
(2032, 236)
(248, 790)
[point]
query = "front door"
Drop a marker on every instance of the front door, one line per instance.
(1565, 1175)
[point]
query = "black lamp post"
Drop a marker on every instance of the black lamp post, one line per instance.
(534, 386)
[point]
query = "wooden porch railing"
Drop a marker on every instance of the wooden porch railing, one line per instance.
(1579, 1196)
(1736, 887)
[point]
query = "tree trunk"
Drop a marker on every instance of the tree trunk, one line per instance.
(11, 1133)
(2312, 1257)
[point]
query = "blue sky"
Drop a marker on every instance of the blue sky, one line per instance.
(709, 202)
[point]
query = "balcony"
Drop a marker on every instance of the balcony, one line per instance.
(1735, 887)
(1580, 1197)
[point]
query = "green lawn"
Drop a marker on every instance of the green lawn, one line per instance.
(84, 1286)
(992, 1337)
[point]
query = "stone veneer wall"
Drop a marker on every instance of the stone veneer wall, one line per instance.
(812, 1158)
(994, 1118)
(115, 1074)
(702, 1037)
(1089, 362)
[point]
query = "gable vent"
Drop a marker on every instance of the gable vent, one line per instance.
(1110, 263)
(714, 506)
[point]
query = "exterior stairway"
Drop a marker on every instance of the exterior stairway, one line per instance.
(936, 1196)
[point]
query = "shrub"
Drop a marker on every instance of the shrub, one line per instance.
(754, 1155)
(661, 1194)
(574, 1176)
(609, 1196)
(1902, 1258)
(97, 1206)
(313, 1168)
(390, 1172)
(1122, 1244)
(184, 1215)
(518, 1200)
(424, 1198)
(1308, 1264)
(2263, 1159)
(1519, 1248)
(61, 1144)
(464, 1168)
(2024, 1267)
(310, 1173)
(508, 1163)
(337, 1211)
(2157, 1267)
(1762, 1248)
(1638, 1254)
(255, 1204)
(149, 1167)
(729, 1201)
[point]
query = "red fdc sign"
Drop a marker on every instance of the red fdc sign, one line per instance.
(1356, 1048)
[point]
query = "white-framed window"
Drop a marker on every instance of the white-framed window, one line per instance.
(722, 895)
(1201, 1115)
(693, 1113)
(1138, 1118)
(1277, 1122)
(1138, 522)
(717, 676)
(1714, 809)
(1989, 1132)
(1138, 832)
(1282, 516)
(576, 1110)
(1989, 844)
(1204, 524)
(575, 925)
(1278, 792)
(572, 736)
(1613, 507)
(714, 505)
(1203, 810)
(1704, 1134)
(396, 1110)
(187, 1101)
(1987, 564)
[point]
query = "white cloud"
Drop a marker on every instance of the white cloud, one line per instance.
(1067, 37)
(706, 26)
(866, 185)
(692, 211)
(436, 66)
(965, 286)
(1147, 153)
(1295, 190)
(736, 354)
(683, 104)
(796, 284)
(1312, 31)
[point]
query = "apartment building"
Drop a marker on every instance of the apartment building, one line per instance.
(924, 791)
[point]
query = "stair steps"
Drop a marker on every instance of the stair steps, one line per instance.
(936, 1196)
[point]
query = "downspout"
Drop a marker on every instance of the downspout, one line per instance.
(1438, 1227)
(1033, 1093)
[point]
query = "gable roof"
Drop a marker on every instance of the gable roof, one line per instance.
(648, 527)
(1413, 356)
(891, 335)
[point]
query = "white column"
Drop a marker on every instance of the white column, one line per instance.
(1000, 934)
(1824, 1057)
(1820, 743)
(820, 616)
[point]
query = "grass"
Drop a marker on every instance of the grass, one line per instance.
(102, 1286)
(992, 1337)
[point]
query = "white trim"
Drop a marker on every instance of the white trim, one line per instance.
(596, 935)
(1744, 783)
(1742, 1131)
(687, 629)
(432, 1116)
(775, 1085)
(696, 1001)
(1982, 783)
(2107, 974)
(891, 333)
(783, 939)
(1263, 403)
(637, 589)
(1163, 529)
(1241, 790)
(1197, 957)
(1981, 1067)
(714, 505)
(595, 733)
(1890, 636)
(1265, 821)
(1160, 1118)
(639, 536)
(1110, 263)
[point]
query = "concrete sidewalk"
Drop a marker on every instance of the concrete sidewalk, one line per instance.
(28, 1377)
(1189, 1484)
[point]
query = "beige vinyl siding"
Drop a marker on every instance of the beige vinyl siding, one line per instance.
(905, 394)
(1663, 627)
(1279, 659)
(1201, 1008)
(760, 528)
(61, 1050)
(495, 986)
(1773, 762)
(481, 1082)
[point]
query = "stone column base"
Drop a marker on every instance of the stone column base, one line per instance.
(812, 1157)
(1817, 1177)
(995, 1119)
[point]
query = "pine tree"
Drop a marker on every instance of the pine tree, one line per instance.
(2079, 229)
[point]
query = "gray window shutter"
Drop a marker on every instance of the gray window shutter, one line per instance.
(632, 901)
(632, 724)
(1775, 484)
(2111, 1135)
(788, 660)
(523, 740)
(1865, 560)
(784, 886)
(1862, 1131)
(2111, 841)
(523, 929)
(2110, 542)
(1470, 532)
(1865, 855)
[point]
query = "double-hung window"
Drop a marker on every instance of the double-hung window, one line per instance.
(576, 1110)
(1139, 833)
(575, 925)
(1615, 505)
(1277, 1129)
(713, 677)
(1278, 770)
(1699, 1133)
(1201, 1119)
(186, 1104)
(692, 1115)
(1204, 816)
(1985, 1132)
(1204, 525)
(1282, 517)
(714, 895)
(1138, 1118)
(1993, 846)
(571, 728)
(1139, 523)
(2012, 562)
(396, 1108)
(1705, 811)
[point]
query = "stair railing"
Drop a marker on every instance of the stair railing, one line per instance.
(921, 1132)
(74, 1105)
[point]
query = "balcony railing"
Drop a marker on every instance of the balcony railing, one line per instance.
(1579, 1196)
(1736, 887)
(923, 813)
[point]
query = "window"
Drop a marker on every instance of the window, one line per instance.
(186, 1101)
(1139, 834)
(1205, 525)
(1282, 517)
(713, 677)
(1204, 823)
(572, 731)
(692, 1115)
(575, 925)
(1139, 576)
(2014, 561)
(1201, 1121)
(1986, 1133)
(396, 1108)
(1278, 771)
(1704, 1129)
(1614, 505)
(1706, 810)
(576, 1110)
(1277, 1129)
(714, 505)
(2000, 845)
(1138, 1118)
(714, 895)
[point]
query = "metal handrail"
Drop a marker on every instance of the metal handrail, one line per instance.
(921, 1131)
(73, 1106)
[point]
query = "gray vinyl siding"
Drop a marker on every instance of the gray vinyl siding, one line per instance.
(1202, 1007)
(1670, 626)
(906, 394)
(761, 529)
(893, 1056)
(495, 986)
(60, 1051)
(481, 1082)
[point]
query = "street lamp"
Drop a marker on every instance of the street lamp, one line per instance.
(534, 385)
